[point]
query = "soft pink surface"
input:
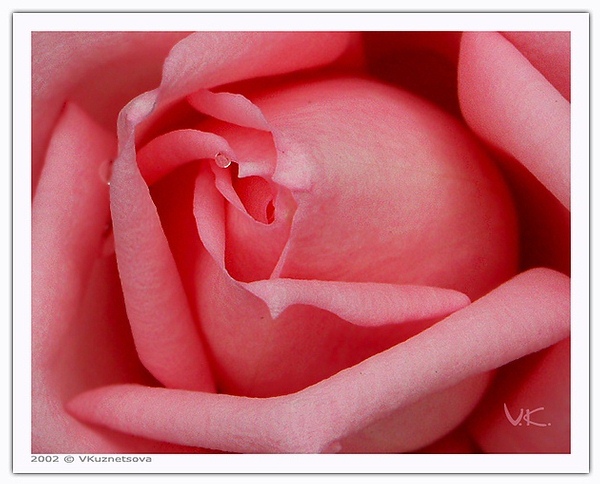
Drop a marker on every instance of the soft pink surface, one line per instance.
(167, 340)
(367, 206)
(100, 71)
(471, 341)
(512, 105)
(540, 381)
(81, 337)
(549, 53)
(316, 271)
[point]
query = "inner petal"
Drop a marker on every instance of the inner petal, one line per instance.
(396, 191)
(257, 197)
(257, 212)
(386, 189)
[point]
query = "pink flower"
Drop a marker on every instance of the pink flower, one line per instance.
(296, 252)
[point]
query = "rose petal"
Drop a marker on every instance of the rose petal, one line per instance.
(72, 283)
(61, 265)
(100, 71)
(78, 151)
(524, 315)
(550, 53)
(256, 355)
(165, 153)
(209, 211)
(511, 105)
(361, 303)
(537, 383)
(207, 59)
(420, 423)
(232, 108)
(424, 199)
(166, 337)
(244, 247)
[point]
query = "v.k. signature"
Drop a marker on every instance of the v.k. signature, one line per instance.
(524, 416)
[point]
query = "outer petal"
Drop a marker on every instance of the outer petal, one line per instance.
(208, 59)
(62, 264)
(101, 71)
(73, 283)
(539, 382)
(550, 53)
(511, 105)
(526, 314)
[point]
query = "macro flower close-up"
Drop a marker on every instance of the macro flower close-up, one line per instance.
(301, 242)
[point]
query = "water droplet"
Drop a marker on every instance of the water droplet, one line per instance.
(105, 171)
(222, 160)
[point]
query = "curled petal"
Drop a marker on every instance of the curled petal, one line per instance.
(204, 60)
(232, 108)
(239, 112)
(514, 107)
(550, 53)
(62, 265)
(388, 196)
(169, 151)
(528, 313)
(408, 191)
(365, 304)
(72, 282)
(166, 337)
(256, 355)
(408, 200)
(208, 59)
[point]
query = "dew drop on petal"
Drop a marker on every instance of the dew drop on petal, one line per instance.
(222, 160)
(105, 171)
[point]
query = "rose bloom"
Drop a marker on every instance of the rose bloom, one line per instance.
(301, 242)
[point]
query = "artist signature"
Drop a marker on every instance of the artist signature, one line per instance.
(524, 416)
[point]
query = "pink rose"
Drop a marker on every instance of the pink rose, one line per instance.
(312, 242)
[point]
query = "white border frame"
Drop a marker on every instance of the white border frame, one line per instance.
(577, 23)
